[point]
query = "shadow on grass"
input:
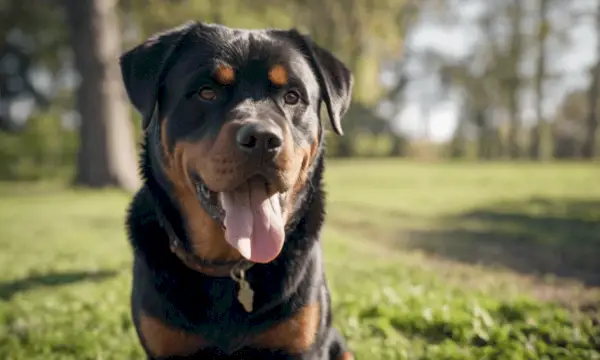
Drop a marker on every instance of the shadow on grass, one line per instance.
(538, 236)
(9, 289)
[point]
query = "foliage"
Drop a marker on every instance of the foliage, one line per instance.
(509, 73)
(570, 128)
(66, 297)
(151, 16)
(31, 40)
(43, 150)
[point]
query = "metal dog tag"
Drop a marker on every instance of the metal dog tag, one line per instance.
(245, 293)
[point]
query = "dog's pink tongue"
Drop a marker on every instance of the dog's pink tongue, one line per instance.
(253, 222)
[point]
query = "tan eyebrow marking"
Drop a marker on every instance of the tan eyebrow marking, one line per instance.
(224, 74)
(278, 75)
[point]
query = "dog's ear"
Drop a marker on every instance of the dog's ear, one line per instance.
(335, 79)
(144, 66)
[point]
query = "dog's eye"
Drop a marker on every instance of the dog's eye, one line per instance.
(207, 94)
(291, 97)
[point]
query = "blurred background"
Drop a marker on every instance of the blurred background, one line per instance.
(476, 120)
(435, 79)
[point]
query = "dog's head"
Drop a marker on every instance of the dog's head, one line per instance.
(232, 118)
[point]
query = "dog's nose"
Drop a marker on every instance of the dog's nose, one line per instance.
(257, 138)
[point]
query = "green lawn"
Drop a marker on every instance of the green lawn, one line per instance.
(426, 261)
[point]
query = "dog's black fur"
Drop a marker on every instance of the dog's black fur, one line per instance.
(157, 78)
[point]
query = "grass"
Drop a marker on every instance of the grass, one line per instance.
(426, 261)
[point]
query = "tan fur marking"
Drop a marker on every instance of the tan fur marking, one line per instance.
(306, 156)
(224, 74)
(163, 340)
(291, 159)
(278, 75)
(163, 137)
(294, 335)
(207, 237)
(347, 356)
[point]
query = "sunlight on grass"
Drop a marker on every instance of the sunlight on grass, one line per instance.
(409, 258)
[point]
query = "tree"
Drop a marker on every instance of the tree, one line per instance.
(569, 126)
(107, 154)
(589, 149)
(539, 134)
(31, 40)
(487, 78)
(512, 78)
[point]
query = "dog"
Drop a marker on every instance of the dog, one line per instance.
(225, 231)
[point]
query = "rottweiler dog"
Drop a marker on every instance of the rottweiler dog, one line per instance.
(225, 229)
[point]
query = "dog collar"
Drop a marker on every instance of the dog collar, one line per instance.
(216, 268)
(235, 269)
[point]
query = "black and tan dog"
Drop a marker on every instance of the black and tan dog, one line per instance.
(226, 229)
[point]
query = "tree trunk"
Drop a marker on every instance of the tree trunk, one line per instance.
(483, 138)
(538, 147)
(458, 144)
(589, 149)
(107, 152)
(514, 80)
(345, 147)
(398, 148)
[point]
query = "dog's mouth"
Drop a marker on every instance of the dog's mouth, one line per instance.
(209, 201)
(251, 215)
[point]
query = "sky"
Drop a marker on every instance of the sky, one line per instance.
(574, 59)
